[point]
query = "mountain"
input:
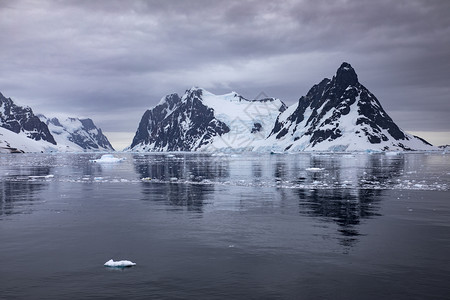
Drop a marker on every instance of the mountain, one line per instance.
(23, 131)
(200, 120)
(339, 114)
(75, 134)
(21, 120)
(11, 142)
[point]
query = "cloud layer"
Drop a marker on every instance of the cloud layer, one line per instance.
(111, 60)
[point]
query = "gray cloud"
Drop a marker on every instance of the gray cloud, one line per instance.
(111, 60)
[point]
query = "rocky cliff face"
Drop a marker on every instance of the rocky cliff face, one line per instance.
(200, 120)
(21, 120)
(178, 124)
(75, 134)
(339, 114)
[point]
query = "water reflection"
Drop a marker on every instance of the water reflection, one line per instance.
(345, 207)
(338, 188)
(168, 170)
(196, 168)
(19, 188)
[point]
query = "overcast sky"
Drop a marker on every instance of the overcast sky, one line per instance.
(111, 60)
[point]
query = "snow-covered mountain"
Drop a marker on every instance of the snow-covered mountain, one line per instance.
(339, 114)
(11, 142)
(23, 121)
(23, 131)
(202, 121)
(74, 134)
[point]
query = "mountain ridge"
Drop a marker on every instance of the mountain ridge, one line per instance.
(341, 114)
(337, 114)
(200, 120)
(25, 131)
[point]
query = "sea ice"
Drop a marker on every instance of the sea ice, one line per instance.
(119, 264)
(108, 158)
(43, 176)
(314, 169)
(392, 153)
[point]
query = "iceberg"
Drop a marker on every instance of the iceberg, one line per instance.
(108, 158)
(119, 264)
(315, 169)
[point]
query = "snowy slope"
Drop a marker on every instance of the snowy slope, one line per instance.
(74, 134)
(249, 120)
(202, 121)
(338, 115)
(20, 142)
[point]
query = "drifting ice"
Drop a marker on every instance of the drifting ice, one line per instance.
(119, 264)
(314, 169)
(108, 158)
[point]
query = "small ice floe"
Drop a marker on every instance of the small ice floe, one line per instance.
(170, 155)
(218, 154)
(119, 264)
(392, 153)
(42, 177)
(315, 169)
(146, 179)
(108, 158)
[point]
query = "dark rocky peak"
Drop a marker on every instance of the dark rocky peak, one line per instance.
(22, 119)
(186, 127)
(346, 75)
(172, 100)
(54, 121)
(88, 124)
(192, 93)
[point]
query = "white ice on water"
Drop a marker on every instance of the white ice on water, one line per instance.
(119, 264)
(108, 158)
(314, 169)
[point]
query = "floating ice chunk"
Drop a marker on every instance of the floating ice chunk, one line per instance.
(108, 158)
(119, 264)
(392, 153)
(315, 169)
(43, 176)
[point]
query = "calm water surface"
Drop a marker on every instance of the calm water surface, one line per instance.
(304, 226)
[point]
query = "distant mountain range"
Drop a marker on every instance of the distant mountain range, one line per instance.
(23, 131)
(338, 114)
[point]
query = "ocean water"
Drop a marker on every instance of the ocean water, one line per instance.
(246, 226)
